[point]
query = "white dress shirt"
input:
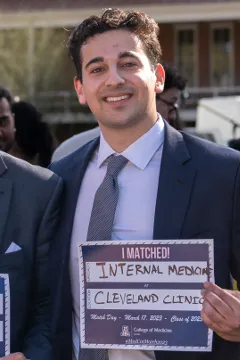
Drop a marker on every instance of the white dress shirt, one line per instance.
(134, 217)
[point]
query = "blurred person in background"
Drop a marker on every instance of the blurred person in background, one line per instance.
(27, 224)
(34, 141)
(167, 101)
(7, 128)
(234, 144)
(167, 106)
(29, 207)
(74, 143)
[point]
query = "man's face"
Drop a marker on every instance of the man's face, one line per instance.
(167, 104)
(118, 82)
(6, 126)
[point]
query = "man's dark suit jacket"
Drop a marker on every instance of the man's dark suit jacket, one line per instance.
(198, 197)
(29, 211)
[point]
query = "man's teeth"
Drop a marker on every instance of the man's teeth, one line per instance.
(117, 98)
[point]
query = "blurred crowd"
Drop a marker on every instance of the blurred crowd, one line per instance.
(25, 135)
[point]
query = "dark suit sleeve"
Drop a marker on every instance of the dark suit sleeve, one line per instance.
(235, 245)
(37, 344)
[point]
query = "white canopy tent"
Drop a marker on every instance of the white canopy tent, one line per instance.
(219, 116)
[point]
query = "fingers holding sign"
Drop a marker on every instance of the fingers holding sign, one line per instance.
(221, 311)
(16, 356)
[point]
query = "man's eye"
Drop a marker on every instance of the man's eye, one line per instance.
(129, 64)
(97, 70)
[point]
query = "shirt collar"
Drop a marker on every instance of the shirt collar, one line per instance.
(141, 151)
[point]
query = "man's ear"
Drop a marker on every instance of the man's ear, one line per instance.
(79, 90)
(160, 78)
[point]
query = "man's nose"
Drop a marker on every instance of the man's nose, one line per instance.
(114, 77)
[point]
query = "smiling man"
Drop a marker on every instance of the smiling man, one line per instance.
(118, 86)
(140, 180)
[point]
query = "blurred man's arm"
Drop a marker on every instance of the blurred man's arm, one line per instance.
(37, 345)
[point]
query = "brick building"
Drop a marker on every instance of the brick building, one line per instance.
(200, 37)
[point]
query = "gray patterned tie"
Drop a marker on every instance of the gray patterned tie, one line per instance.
(105, 201)
(101, 224)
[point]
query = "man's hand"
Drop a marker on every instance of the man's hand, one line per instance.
(221, 311)
(16, 356)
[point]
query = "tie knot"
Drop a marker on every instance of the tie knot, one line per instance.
(116, 164)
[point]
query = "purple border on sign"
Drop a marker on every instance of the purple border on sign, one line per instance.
(92, 335)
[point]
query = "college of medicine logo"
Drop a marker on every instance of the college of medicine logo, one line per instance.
(125, 331)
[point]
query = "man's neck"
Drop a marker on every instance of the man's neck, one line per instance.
(120, 139)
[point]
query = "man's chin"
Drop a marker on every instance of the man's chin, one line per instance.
(119, 122)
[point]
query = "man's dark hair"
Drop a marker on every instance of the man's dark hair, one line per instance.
(33, 135)
(144, 27)
(173, 79)
(5, 93)
(234, 144)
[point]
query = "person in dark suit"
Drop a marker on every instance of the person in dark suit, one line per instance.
(158, 183)
(29, 206)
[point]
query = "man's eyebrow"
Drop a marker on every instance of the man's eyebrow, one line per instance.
(130, 54)
(122, 55)
(94, 60)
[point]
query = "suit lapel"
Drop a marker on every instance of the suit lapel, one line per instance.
(5, 198)
(72, 171)
(175, 185)
(73, 179)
